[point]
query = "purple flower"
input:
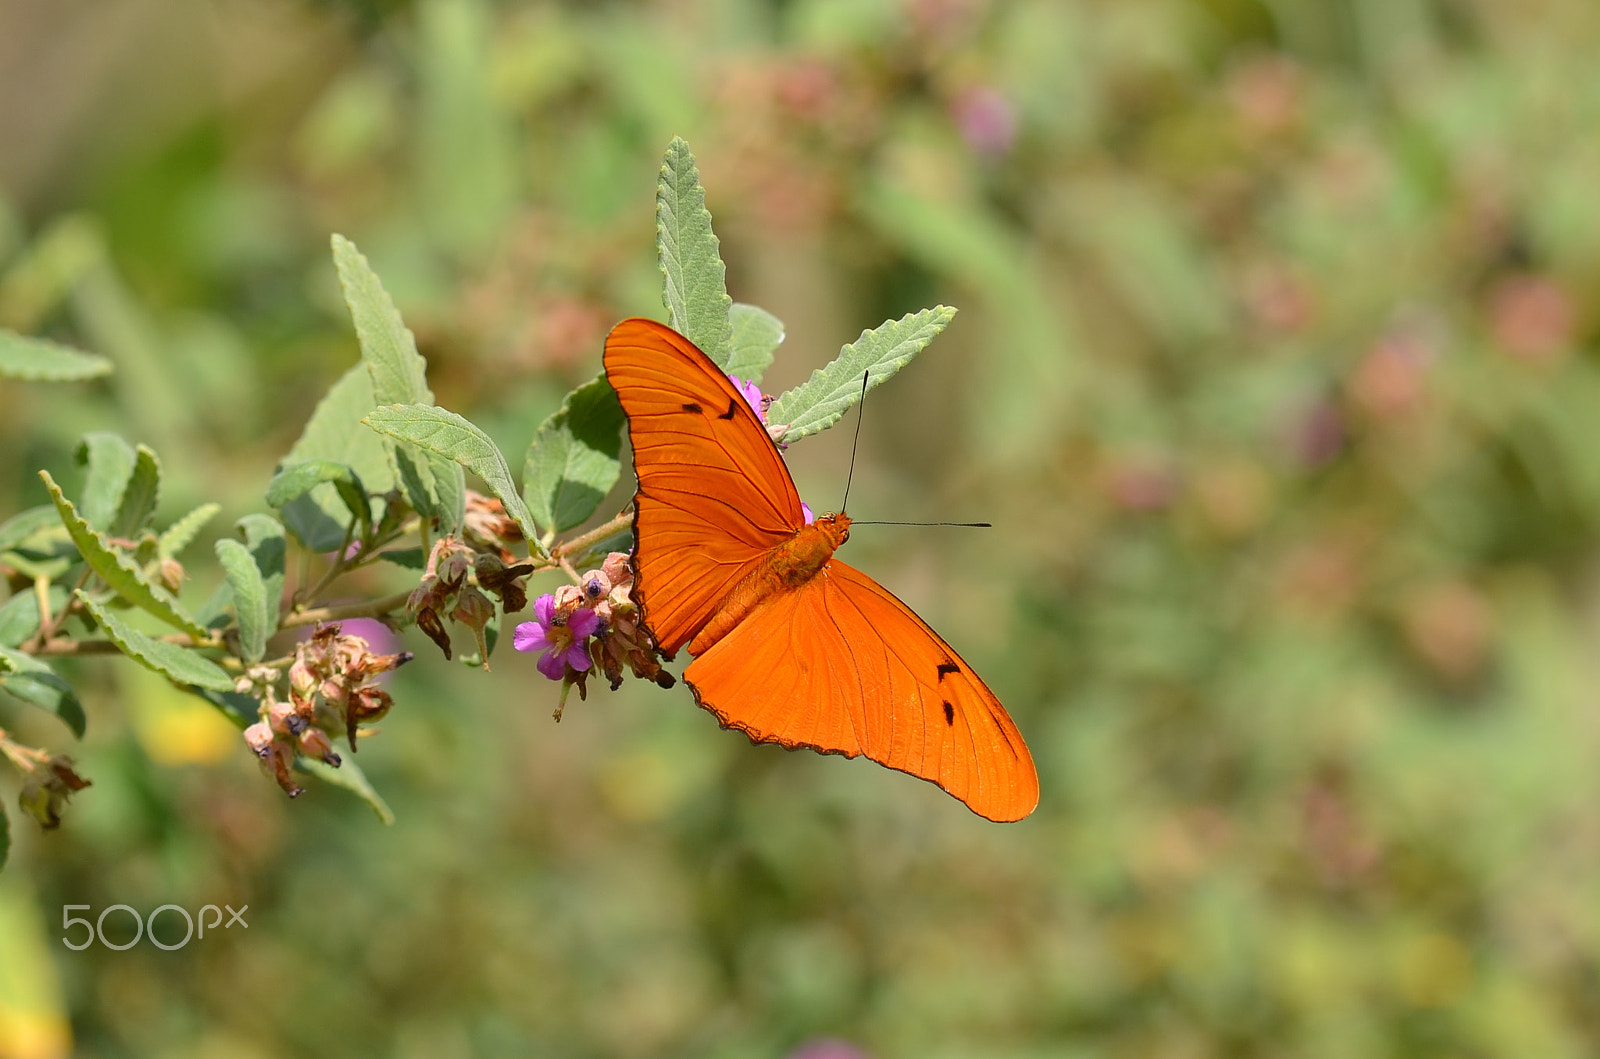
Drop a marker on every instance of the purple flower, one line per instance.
(805, 509)
(565, 642)
(752, 394)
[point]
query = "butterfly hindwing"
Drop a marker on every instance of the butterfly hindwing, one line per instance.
(714, 493)
(844, 667)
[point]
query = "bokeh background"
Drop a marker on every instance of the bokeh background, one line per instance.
(1276, 372)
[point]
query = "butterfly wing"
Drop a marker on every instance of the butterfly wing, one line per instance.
(714, 493)
(842, 666)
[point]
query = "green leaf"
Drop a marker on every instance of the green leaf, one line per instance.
(264, 538)
(435, 487)
(24, 524)
(596, 553)
(19, 617)
(32, 681)
(140, 496)
(110, 461)
(572, 462)
(755, 338)
(349, 776)
(694, 288)
(449, 435)
(181, 533)
(183, 666)
(410, 558)
(334, 432)
(124, 578)
(256, 623)
(817, 403)
(40, 360)
(242, 710)
(297, 479)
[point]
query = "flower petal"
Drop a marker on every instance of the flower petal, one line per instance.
(544, 608)
(582, 623)
(805, 509)
(552, 665)
(577, 656)
(529, 636)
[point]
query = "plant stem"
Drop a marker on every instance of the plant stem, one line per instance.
(370, 609)
(594, 536)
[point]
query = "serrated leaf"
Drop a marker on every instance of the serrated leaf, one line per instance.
(388, 347)
(242, 710)
(24, 524)
(249, 599)
(183, 666)
(817, 403)
(449, 489)
(19, 617)
(181, 533)
(694, 281)
(264, 538)
(572, 462)
(297, 479)
(118, 572)
(31, 680)
(40, 360)
(334, 432)
(349, 776)
(110, 461)
(453, 437)
(755, 337)
(140, 495)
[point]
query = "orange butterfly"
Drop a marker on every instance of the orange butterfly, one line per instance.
(791, 646)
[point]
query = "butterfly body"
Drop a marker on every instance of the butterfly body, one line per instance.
(791, 645)
(788, 567)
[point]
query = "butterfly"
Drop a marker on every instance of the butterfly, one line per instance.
(790, 645)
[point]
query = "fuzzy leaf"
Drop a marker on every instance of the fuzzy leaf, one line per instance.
(117, 570)
(19, 617)
(817, 403)
(296, 479)
(572, 462)
(249, 599)
(40, 360)
(264, 538)
(181, 533)
(410, 558)
(349, 776)
(334, 432)
(183, 666)
(755, 338)
(110, 462)
(24, 524)
(694, 287)
(27, 678)
(140, 495)
(449, 435)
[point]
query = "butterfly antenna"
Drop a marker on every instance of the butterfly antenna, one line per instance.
(962, 525)
(861, 410)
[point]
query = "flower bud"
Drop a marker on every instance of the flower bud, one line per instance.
(617, 569)
(259, 738)
(314, 742)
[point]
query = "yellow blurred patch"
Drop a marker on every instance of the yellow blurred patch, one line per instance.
(33, 1019)
(176, 728)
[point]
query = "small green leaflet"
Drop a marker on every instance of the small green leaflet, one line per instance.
(110, 462)
(440, 431)
(183, 666)
(296, 479)
(334, 432)
(817, 403)
(140, 495)
(249, 599)
(756, 337)
(572, 462)
(40, 360)
(694, 284)
(19, 615)
(263, 536)
(127, 580)
(181, 533)
(349, 776)
(21, 526)
(32, 681)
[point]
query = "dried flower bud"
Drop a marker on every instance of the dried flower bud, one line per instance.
(259, 738)
(314, 742)
(47, 788)
(616, 569)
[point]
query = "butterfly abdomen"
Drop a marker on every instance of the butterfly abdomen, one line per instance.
(788, 566)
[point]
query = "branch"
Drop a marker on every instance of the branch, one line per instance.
(594, 536)
(372, 609)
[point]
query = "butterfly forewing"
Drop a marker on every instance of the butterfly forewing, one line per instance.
(713, 495)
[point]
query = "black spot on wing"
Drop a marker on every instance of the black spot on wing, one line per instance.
(946, 668)
(733, 410)
(949, 714)
(690, 406)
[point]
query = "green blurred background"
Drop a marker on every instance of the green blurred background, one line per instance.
(1276, 372)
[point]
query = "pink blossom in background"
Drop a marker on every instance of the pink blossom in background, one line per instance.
(828, 1048)
(986, 120)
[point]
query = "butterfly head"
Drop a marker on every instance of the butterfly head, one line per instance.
(835, 529)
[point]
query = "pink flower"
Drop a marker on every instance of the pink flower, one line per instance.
(564, 641)
(805, 509)
(752, 394)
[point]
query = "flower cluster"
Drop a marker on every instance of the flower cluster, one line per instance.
(594, 622)
(331, 693)
(445, 590)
